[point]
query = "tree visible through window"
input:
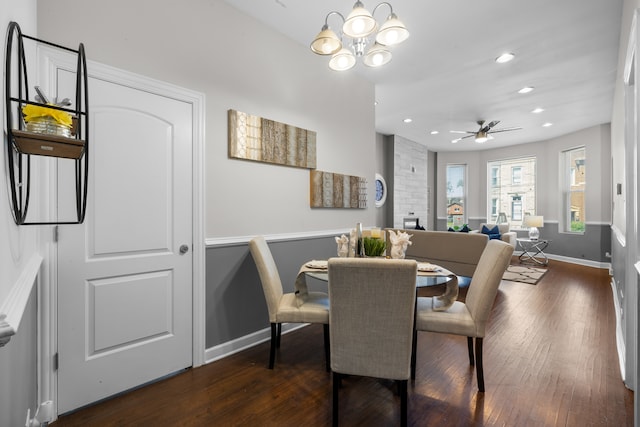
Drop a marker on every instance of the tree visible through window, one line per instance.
(574, 174)
(512, 198)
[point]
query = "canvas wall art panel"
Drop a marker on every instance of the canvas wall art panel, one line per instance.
(334, 190)
(263, 140)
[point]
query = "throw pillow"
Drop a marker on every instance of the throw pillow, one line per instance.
(493, 233)
(465, 229)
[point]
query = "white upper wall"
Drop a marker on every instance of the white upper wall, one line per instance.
(17, 244)
(618, 120)
(238, 63)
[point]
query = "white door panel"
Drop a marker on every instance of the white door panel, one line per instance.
(124, 288)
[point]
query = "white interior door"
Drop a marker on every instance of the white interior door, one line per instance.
(124, 284)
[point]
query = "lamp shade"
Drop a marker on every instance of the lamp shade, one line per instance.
(376, 56)
(533, 221)
(326, 42)
(360, 22)
(392, 31)
(343, 60)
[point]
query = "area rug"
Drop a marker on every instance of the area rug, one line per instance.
(518, 273)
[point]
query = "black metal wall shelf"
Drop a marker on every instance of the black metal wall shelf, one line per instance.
(22, 143)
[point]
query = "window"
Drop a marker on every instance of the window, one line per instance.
(494, 208)
(509, 200)
(516, 208)
(573, 189)
(495, 177)
(516, 175)
(456, 194)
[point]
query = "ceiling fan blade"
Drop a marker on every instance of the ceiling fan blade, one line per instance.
(461, 131)
(505, 129)
(493, 123)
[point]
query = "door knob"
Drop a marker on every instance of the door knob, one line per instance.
(184, 249)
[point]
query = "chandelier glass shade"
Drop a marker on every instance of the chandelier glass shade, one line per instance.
(358, 27)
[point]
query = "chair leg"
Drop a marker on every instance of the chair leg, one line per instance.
(402, 389)
(336, 386)
(327, 352)
(413, 353)
(479, 371)
(470, 346)
(272, 350)
(279, 335)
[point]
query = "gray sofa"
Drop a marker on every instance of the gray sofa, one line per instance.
(457, 252)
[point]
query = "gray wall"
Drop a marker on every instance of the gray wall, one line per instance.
(235, 302)
(18, 370)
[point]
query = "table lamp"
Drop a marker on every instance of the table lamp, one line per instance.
(533, 222)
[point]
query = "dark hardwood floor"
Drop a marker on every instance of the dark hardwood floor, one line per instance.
(550, 360)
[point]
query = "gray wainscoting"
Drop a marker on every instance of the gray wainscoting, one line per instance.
(18, 369)
(235, 303)
(591, 246)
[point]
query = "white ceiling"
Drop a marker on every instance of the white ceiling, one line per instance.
(444, 76)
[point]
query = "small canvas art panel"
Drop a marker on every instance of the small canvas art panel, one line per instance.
(264, 140)
(334, 190)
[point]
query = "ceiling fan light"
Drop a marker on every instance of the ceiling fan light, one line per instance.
(481, 137)
(392, 32)
(326, 42)
(342, 60)
(359, 22)
(376, 56)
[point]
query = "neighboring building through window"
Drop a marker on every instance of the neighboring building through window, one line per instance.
(456, 195)
(573, 175)
(509, 200)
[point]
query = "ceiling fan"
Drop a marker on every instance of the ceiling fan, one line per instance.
(484, 133)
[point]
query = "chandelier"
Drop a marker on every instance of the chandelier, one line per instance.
(358, 28)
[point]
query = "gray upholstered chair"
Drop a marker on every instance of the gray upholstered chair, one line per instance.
(506, 235)
(470, 318)
(283, 307)
(371, 321)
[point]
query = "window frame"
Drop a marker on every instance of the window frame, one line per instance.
(504, 192)
(463, 198)
(568, 180)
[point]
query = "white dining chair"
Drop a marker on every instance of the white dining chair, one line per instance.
(469, 318)
(371, 321)
(283, 307)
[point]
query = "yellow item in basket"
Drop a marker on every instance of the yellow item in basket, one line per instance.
(32, 112)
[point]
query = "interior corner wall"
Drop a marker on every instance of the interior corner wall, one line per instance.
(18, 369)
(257, 70)
(410, 171)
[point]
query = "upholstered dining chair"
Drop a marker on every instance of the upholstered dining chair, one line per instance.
(283, 307)
(371, 321)
(470, 318)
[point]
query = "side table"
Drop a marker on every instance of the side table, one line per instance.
(533, 251)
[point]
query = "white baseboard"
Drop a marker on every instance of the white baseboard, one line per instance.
(619, 336)
(234, 346)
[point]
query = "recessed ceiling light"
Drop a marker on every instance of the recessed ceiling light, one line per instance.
(537, 110)
(505, 57)
(434, 132)
(526, 89)
(407, 120)
(546, 125)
